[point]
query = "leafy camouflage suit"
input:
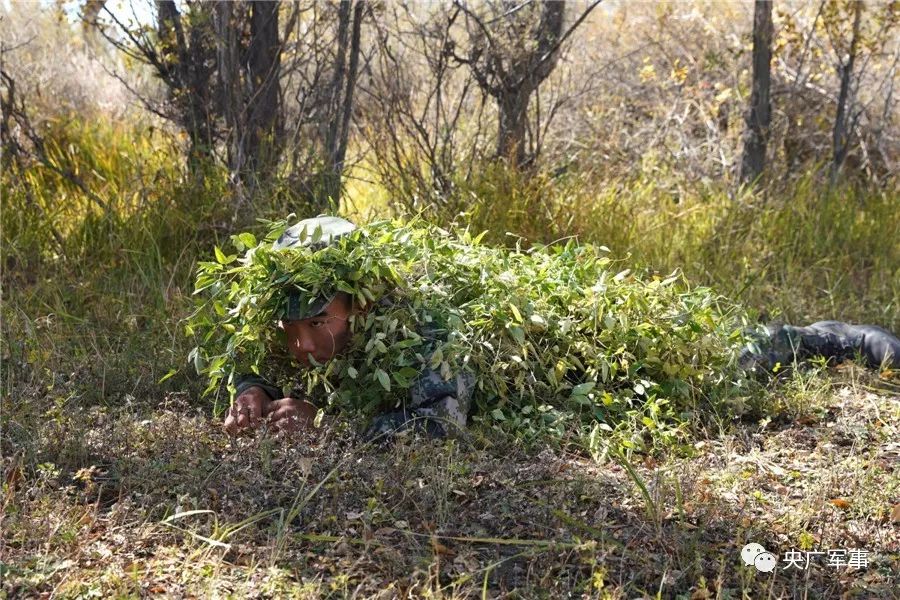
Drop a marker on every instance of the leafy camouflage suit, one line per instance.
(436, 406)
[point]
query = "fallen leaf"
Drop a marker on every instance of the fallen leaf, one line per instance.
(305, 465)
(895, 514)
(14, 476)
(701, 594)
(440, 548)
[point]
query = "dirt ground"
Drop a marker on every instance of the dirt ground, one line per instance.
(138, 502)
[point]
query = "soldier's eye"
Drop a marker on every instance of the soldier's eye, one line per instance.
(317, 324)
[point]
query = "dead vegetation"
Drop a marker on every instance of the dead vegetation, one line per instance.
(114, 486)
(130, 501)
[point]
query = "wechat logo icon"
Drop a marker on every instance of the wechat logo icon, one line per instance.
(754, 554)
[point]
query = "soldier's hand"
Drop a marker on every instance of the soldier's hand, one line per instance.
(290, 414)
(247, 410)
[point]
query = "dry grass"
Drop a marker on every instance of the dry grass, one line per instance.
(102, 470)
(97, 504)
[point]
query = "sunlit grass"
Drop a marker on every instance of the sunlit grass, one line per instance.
(102, 288)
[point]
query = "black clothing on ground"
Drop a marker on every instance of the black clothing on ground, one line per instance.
(833, 340)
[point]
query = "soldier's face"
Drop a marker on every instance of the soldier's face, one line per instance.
(322, 337)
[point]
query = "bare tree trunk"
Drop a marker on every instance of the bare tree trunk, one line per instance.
(330, 184)
(527, 74)
(229, 88)
(192, 75)
(341, 150)
(249, 91)
(842, 118)
(264, 118)
(513, 109)
(759, 113)
(343, 85)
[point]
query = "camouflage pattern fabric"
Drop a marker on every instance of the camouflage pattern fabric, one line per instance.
(437, 407)
(245, 382)
(833, 340)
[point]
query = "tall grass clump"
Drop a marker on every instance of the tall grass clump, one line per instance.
(100, 235)
(799, 253)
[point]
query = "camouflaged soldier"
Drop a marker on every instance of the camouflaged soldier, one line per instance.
(319, 330)
(833, 340)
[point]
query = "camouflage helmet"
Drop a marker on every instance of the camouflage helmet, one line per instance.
(315, 233)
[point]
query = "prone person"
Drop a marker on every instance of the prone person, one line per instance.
(319, 330)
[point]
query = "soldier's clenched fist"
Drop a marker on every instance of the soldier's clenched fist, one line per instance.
(247, 410)
(290, 414)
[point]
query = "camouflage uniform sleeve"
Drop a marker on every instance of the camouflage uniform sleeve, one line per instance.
(244, 382)
(437, 407)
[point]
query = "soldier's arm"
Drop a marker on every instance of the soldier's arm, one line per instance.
(245, 382)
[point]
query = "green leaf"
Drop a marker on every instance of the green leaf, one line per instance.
(383, 379)
(409, 372)
(515, 312)
(583, 389)
(517, 333)
(248, 239)
(401, 380)
(167, 375)
(436, 358)
(408, 343)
